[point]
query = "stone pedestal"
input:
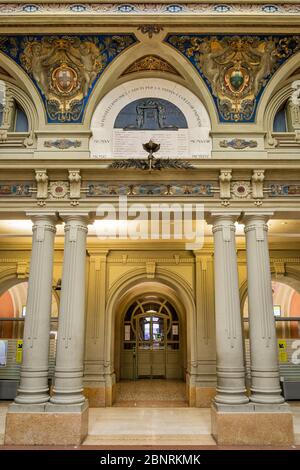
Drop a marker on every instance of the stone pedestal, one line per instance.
(43, 428)
(247, 426)
(99, 396)
(200, 397)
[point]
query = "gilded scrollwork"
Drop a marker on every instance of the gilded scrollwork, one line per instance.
(65, 68)
(236, 68)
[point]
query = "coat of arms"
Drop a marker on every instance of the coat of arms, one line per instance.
(65, 68)
(236, 68)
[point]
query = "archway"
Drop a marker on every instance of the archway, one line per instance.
(167, 286)
(13, 298)
(151, 340)
(286, 305)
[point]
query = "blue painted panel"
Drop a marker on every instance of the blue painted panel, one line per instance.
(150, 114)
(201, 46)
(109, 46)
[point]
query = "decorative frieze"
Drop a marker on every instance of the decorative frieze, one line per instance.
(283, 189)
(62, 144)
(96, 189)
(238, 144)
(16, 189)
(158, 8)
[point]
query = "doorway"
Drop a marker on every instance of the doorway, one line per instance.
(151, 341)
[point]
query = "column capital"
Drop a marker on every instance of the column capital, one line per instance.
(225, 216)
(76, 217)
(252, 217)
(47, 217)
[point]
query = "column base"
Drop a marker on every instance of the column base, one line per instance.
(245, 425)
(200, 397)
(100, 396)
(58, 427)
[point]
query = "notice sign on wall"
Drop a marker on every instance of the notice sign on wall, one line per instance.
(3, 352)
(282, 351)
(19, 352)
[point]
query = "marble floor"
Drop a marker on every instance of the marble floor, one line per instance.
(134, 426)
(154, 393)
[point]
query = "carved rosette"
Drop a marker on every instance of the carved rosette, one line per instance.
(58, 189)
(241, 189)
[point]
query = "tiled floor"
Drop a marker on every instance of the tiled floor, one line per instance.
(154, 393)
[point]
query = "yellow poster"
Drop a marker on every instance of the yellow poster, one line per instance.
(282, 352)
(19, 352)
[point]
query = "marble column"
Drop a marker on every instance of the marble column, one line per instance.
(68, 384)
(229, 339)
(33, 389)
(265, 386)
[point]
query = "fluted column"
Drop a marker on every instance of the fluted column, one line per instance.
(265, 386)
(68, 386)
(229, 339)
(33, 387)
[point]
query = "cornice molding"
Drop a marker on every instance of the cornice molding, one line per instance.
(118, 12)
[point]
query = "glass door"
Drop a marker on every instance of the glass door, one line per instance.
(151, 345)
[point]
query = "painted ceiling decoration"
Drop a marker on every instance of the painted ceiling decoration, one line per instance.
(235, 68)
(149, 63)
(155, 7)
(64, 68)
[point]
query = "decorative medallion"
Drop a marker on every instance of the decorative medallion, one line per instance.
(62, 144)
(238, 144)
(58, 189)
(65, 79)
(149, 63)
(241, 189)
(236, 68)
(65, 68)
